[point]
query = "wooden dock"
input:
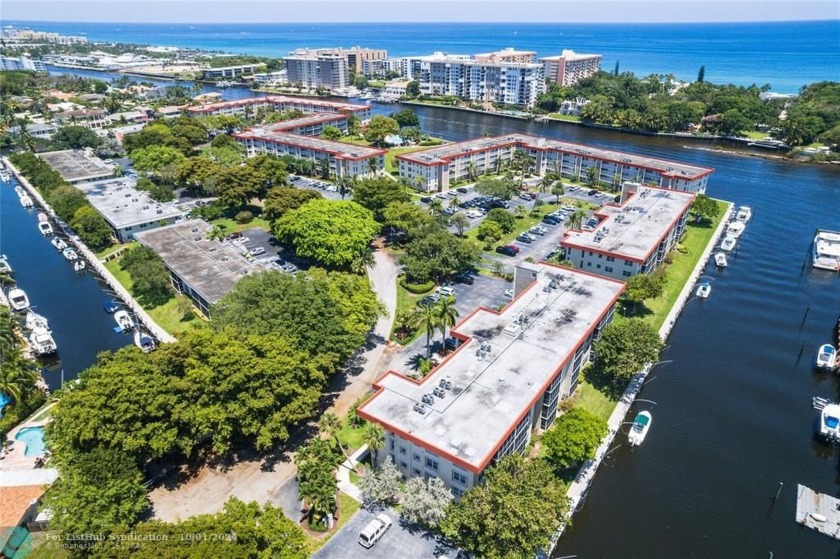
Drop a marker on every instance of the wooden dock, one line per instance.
(818, 511)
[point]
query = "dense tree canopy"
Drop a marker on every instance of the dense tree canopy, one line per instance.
(406, 216)
(379, 127)
(92, 227)
(75, 137)
(498, 187)
(814, 115)
(704, 208)
(149, 276)
(513, 514)
(574, 438)
(438, 254)
(154, 158)
(333, 233)
(375, 193)
(282, 199)
(503, 217)
(644, 286)
(624, 348)
(406, 117)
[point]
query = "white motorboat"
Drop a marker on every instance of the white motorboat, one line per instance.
(18, 299)
(19, 191)
(26, 201)
(735, 229)
(42, 342)
(744, 214)
(640, 428)
(79, 265)
(830, 422)
(728, 243)
(35, 321)
(827, 250)
(58, 244)
(144, 341)
(704, 290)
(45, 228)
(720, 260)
(69, 254)
(826, 357)
(124, 321)
(5, 267)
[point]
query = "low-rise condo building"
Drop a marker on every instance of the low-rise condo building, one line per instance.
(503, 383)
(230, 71)
(570, 67)
(88, 118)
(21, 63)
(280, 103)
(632, 237)
(439, 167)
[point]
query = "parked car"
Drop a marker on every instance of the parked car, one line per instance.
(524, 238)
(499, 204)
(446, 291)
(331, 188)
(551, 220)
(464, 277)
(509, 293)
(462, 190)
(506, 250)
(537, 231)
(256, 251)
(425, 199)
(428, 301)
(592, 192)
(234, 236)
(374, 530)
(289, 268)
(525, 196)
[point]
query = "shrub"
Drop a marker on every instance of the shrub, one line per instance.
(244, 217)
(417, 288)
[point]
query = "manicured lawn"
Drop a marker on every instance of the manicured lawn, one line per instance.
(755, 135)
(695, 241)
(567, 118)
(107, 251)
(167, 316)
(406, 300)
(230, 226)
(592, 400)
(347, 507)
(353, 438)
(390, 164)
(522, 224)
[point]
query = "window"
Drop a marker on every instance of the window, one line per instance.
(598, 266)
(590, 253)
(432, 464)
(402, 450)
(608, 268)
(417, 472)
(628, 263)
(392, 444)
(459, 478)
(416, 457)
(457, 492)
(600, 256)
(589, 264)
(403, 465)
(610, 258)
(626, 274)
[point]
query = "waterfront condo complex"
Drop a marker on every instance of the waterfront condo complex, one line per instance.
(632, 237)
(570, 67)
(504, 381)
(280, 103)
(438, 168)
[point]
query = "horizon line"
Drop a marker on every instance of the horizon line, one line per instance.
(430, 22)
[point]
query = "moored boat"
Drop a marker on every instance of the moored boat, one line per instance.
(826, 357)
(744, 214)
(5, 267)
(827, 250)
(704, 290)
(110, 306)
(34, 321)
(144, 341)
(735, 229)
(42, 342)
(830, 422)
(69, 254)
(18, 299)
(720, 260)
(79, 265)
(728, 243)
(640, 428)
(58, 244)
(45, 228)
(26, 201)
(124, 321)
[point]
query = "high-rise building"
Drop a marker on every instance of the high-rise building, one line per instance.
(21, 63)
(313, 69)
(570, 67)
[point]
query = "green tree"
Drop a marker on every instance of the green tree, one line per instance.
(75, 137)
(381, 485)
(406, 216)
(406, 117)
(624, 348)
(490, 232)
(558, 191)
(331, 133)
(503, 217)
(704, 208)
(282, 199)
(225, 142)
(498, 187)
(512, 515)
(644, 286)
(425, 501)
(701, 74)
(331, 232)
(154, 158)
(198, 173)
(272, 169)
(91, 227)
(95, 492)
(236, 186)
(374, 438)
(149, 276)
(447, 314)
(574, 438)
(438, 254)
(375, 193)
(379, 127)
(316, 462)
(733, 123)
(412, 89)
(66, 199)
(429, 321)
(460, 222)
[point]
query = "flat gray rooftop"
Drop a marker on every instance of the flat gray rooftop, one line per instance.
(503, 367)
(125, 206)
(76, 166)
(444, 154)
(315, 118)
(338, 149)
(634, 228)
(210, 267)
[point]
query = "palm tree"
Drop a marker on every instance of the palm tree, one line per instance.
(557, 190)
(17, 375)
(406, 320)
(592, 175)
(576, 219)
(375, 441)
(329, 425)
(373, 165)
(454, 202)
(447, 314)
(435, 207)
(428, 321)
(345, 185)
(363, 261)
(461, 222)
(472, 170)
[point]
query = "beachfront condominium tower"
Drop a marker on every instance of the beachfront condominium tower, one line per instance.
(570, 67)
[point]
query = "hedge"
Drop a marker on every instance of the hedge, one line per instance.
(417, 288)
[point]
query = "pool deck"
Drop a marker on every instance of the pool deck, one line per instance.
(15, 458)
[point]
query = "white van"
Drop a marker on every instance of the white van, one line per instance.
(375, 529)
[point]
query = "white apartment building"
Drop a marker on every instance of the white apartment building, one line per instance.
(21, 63)
(570, 67)
(378, 68)
(438, 167)
(88, 118)
(632, 237)
(510, 83)
(280, 103)
(502, 384)
(314, 69)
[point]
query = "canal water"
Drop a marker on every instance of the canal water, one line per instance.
(733, 413)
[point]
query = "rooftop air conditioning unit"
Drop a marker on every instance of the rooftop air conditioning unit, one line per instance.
(438, 391)
(446, 384)
(428, 399)
(420, 408)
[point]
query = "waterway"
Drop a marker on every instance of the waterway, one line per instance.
(733, 413)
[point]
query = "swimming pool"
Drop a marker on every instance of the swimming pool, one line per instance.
(33, 438)
(3, 401)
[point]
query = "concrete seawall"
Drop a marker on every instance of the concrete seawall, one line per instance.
(92, 260)
(580, 486)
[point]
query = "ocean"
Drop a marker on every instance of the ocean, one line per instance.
(786, 55)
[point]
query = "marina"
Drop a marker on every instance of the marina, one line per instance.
(818, 511)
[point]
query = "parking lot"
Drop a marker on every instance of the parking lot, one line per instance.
(264, 248)
(401, 541)
(327, 189)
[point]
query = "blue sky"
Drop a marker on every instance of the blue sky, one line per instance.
(266, 11)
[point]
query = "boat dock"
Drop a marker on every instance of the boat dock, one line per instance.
(818, 511)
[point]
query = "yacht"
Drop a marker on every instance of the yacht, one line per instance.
(827, 250)
(42, 342)
(720, 260)
(735, 229)
(826, 357)
(704, 290)
(58, 244)
(18, 299)
(19, 191)
(35, 321)
(69, 254)
(45, 228)
(144, 341)
(124, 321)
(728, 243)
(26, 201)
(744, 214)
(640, 428)
(830, 422)
(79, 265)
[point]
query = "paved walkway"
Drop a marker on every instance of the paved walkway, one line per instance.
(343, 475)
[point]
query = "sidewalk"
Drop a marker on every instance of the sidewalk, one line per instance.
(343, 474)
